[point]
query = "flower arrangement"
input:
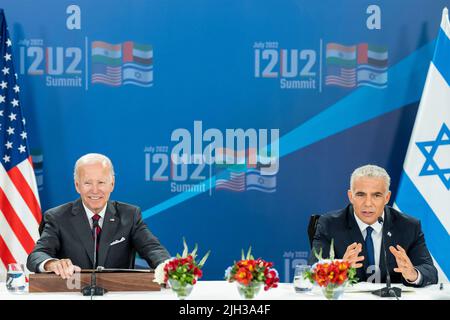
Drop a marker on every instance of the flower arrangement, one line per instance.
(251, 273)
(331, 274)
(182, 272)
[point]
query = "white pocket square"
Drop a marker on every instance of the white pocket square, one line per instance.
(117, 241)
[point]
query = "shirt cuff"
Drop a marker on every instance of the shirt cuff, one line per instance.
(41, 266)
(418, 280)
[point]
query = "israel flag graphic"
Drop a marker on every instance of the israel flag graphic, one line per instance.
(424, 189)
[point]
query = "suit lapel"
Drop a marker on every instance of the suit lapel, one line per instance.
(355, 235)
(81, 226)
(354, 232)
(109, 228)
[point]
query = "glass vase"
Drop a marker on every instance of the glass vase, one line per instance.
(249, 291)
(333, 291)
(183, 290)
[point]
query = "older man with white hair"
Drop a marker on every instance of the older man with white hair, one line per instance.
(358, 231)
(67, 241)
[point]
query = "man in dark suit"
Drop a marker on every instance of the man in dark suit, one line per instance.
(358, 234)
(67, 242)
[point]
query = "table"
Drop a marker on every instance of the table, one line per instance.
(222, 290)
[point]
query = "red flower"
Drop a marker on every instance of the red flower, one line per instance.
(247, 271)
(335, 272)
(182, 266)
(243, 275)
(271, 279)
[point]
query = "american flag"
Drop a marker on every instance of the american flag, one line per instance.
(20, 210)
(231, 180)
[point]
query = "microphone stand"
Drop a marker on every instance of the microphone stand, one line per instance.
(93, 289)
(387, 291)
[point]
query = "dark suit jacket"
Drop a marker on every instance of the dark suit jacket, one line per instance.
(398, 228)
(67, 234)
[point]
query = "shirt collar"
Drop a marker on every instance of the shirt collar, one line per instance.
(363, 226)
(90, 214)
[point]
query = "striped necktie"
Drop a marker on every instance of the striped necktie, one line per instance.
(96, 229)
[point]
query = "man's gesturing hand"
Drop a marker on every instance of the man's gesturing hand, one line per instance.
(351, 255)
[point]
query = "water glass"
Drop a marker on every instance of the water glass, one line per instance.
(15, 278)
(302, 284)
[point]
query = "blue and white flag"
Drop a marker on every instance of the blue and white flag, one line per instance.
(424, 190)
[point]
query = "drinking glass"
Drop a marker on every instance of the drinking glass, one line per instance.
(302, 284)
(15, 278)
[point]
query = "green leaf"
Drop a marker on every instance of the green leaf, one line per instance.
(185, 251)
(332, 250)
(351, 274)
(249, 253)
(318, 255)
(194, 252)
(242, 254)
(202, 262)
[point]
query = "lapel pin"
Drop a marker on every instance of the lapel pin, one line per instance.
(112, 220)
(389, 234)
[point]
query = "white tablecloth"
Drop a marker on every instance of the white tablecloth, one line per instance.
(222, 290)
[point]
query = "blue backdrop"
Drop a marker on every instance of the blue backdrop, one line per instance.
(338, 81)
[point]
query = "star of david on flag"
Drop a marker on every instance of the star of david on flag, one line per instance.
(424, 189)
(430, 151)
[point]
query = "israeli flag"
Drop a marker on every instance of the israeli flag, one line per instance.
(424, 190)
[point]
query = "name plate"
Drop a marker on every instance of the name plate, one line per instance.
(111, 281)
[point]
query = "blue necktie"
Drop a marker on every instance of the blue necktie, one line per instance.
(369, 247)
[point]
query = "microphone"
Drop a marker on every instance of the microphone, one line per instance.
(387, 291)
(93, 289)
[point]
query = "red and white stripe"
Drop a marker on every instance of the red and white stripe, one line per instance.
(20, 213)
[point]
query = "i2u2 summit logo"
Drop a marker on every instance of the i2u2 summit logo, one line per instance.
(110, 64)
(121, 64)
(301, 69)
(359, 65)
(127, 63)
(216, 160)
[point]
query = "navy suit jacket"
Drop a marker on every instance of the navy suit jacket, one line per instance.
(398, 229)
(67, 234)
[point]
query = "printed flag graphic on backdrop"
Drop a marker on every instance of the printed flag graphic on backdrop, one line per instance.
(359, 65)
(120, 64)
(138, 64)
(245, 180)
(106, 63)
(233, 180)
(20, 211)
(424, 189)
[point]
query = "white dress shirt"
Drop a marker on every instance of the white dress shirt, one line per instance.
(89, 215)
(377, 236)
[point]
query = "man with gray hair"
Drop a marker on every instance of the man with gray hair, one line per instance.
(358, 231)
(66, 244)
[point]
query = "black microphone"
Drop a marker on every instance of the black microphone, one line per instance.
(387, 291)
(93, 289)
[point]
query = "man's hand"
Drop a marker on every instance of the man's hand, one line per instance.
(351, 255)
(404, 265)
(63, 268)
